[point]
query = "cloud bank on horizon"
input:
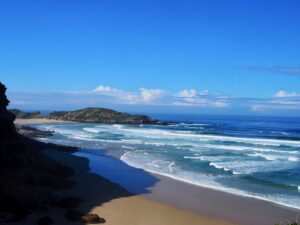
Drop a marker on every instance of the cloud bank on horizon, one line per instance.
(186, 97)
(190, 100)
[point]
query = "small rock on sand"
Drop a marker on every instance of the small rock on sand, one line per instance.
(92, 219)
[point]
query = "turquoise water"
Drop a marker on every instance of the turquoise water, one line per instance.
(255, 157)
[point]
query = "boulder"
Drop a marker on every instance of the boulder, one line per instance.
(33, 132)
(92, 219)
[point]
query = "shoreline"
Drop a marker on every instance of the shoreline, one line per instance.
(190, 197)
(119, 153)
(186, 196)
(227, 191)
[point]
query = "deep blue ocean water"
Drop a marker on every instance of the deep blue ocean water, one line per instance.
(252, 156)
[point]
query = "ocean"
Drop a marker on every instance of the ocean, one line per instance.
(257, 157)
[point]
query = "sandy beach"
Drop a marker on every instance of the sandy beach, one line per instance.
(115, 204)
(110, 201)
(37, 121)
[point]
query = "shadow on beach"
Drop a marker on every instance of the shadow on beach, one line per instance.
(96, 190)
(134, 180)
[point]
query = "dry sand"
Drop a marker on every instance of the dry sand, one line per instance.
(36, 121)
(137, 210)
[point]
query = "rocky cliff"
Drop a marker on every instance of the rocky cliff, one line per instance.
(7, 128)
(26, 175)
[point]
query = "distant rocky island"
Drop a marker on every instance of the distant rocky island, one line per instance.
(90, 115)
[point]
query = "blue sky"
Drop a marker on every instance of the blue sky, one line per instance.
(213, 56)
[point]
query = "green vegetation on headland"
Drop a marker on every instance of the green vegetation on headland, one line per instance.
(102, 115)
(90, 115)
(26, 115)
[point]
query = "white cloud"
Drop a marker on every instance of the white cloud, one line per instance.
(284, 94)
(282, 100)
(192, 97)
(220, 104)
(118, 96)
(151, 95)
(144, 96)
(128, 98)
(103, 88)
(199, 102)
(188, 93)
(186, 97)
(20, 102)
(203, 92)
(191, 93)
(106, 95)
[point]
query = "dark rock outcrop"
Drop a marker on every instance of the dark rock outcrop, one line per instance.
(26, 175)
(7, 128)
(75, 215)
(92, 219)
(33, 132)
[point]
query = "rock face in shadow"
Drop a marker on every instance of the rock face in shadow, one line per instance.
(28, 178)
(26, 175)
(7, 128)
(33, 132)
